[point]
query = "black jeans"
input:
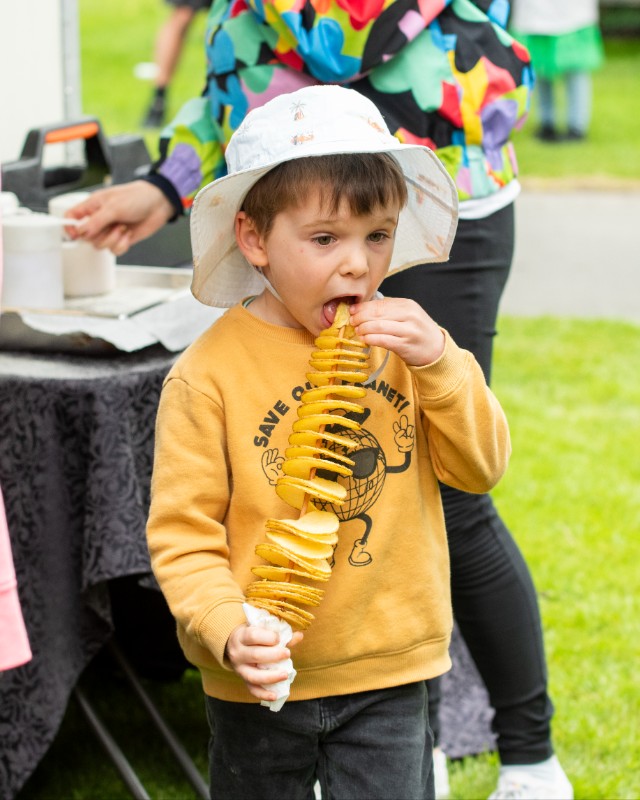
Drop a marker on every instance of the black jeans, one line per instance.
(494, 599)
(366, 746)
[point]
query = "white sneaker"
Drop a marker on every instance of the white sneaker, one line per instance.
(441, 774)
(522, 785)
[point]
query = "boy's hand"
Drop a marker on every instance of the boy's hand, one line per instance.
(399, 325)
(248, 647)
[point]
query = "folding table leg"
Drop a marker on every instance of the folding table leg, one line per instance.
(114, 752)
(182, 757)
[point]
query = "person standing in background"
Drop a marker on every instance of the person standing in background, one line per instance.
(565, 44)
(446, 75)
(168, 49)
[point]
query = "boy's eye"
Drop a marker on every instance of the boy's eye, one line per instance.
(378, 236)
(323, 239)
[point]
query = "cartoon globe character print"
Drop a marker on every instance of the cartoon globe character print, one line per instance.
(365, 485)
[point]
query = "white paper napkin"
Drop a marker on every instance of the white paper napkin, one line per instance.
(263, 619)
(173, 324)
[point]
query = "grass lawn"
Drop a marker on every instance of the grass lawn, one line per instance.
(571, 389)
(572, 498)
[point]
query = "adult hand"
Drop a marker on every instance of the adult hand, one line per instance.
(399, 325)
(248, 647)
(120, 216)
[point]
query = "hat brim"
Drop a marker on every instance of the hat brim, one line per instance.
(222, 277)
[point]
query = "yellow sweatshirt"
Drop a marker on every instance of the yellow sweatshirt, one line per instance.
(225, 415)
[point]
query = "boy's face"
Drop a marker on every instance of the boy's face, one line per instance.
(314, 258)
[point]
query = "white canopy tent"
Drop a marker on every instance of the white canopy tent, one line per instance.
(40, 89)
(39, 68)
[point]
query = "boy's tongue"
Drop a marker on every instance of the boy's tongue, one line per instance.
(331, 308)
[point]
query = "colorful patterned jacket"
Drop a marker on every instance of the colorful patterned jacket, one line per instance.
(443, 73)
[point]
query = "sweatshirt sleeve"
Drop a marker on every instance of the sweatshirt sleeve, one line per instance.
(466, 427)
(185, 532)
(191, 150)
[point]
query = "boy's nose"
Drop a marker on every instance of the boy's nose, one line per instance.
(355, 262)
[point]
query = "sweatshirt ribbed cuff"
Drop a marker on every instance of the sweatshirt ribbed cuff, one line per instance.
(438, 379)
(216, 627)
(168, 190)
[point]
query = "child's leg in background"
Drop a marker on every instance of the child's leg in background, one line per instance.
(546, 105)
(375, 744)
(578, 103)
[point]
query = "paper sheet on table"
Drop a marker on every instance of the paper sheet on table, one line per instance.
(263, 619)
(173, 324)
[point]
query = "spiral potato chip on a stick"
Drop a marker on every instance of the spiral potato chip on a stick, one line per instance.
(300, 549)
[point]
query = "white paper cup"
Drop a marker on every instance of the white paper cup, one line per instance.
(87, 270)
(9, 203)
(32, 254)
(61, 203)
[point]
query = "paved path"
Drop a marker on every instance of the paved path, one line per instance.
(577, 254)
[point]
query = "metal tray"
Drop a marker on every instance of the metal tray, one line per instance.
(137, 290)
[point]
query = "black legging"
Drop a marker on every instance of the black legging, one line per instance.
(494, 599)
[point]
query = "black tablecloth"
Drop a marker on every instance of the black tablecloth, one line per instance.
(75, 463)
(465, 713)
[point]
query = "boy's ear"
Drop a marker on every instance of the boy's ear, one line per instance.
(250, 242)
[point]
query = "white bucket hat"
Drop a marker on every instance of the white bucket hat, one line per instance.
(314, 121)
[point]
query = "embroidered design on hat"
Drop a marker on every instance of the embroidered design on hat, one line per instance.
(301, 138)
(298, 110)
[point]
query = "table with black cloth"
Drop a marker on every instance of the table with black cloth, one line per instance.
(76, 453)
(75, 462)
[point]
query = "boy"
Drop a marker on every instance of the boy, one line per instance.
(319, 205)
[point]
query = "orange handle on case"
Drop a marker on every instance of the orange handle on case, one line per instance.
(84, 130)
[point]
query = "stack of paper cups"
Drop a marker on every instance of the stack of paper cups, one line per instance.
(87, 270)
(32, 251)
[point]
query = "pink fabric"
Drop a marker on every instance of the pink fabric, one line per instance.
(14, 643)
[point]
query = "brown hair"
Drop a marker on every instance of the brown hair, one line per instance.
(365, 181)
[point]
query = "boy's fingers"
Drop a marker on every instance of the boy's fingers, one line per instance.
(379, 307)
(261, 693)
(266, 677)
(297, 637)
(267, 655)
(252, 634)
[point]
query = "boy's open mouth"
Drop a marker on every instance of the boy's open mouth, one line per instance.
(330, 308)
